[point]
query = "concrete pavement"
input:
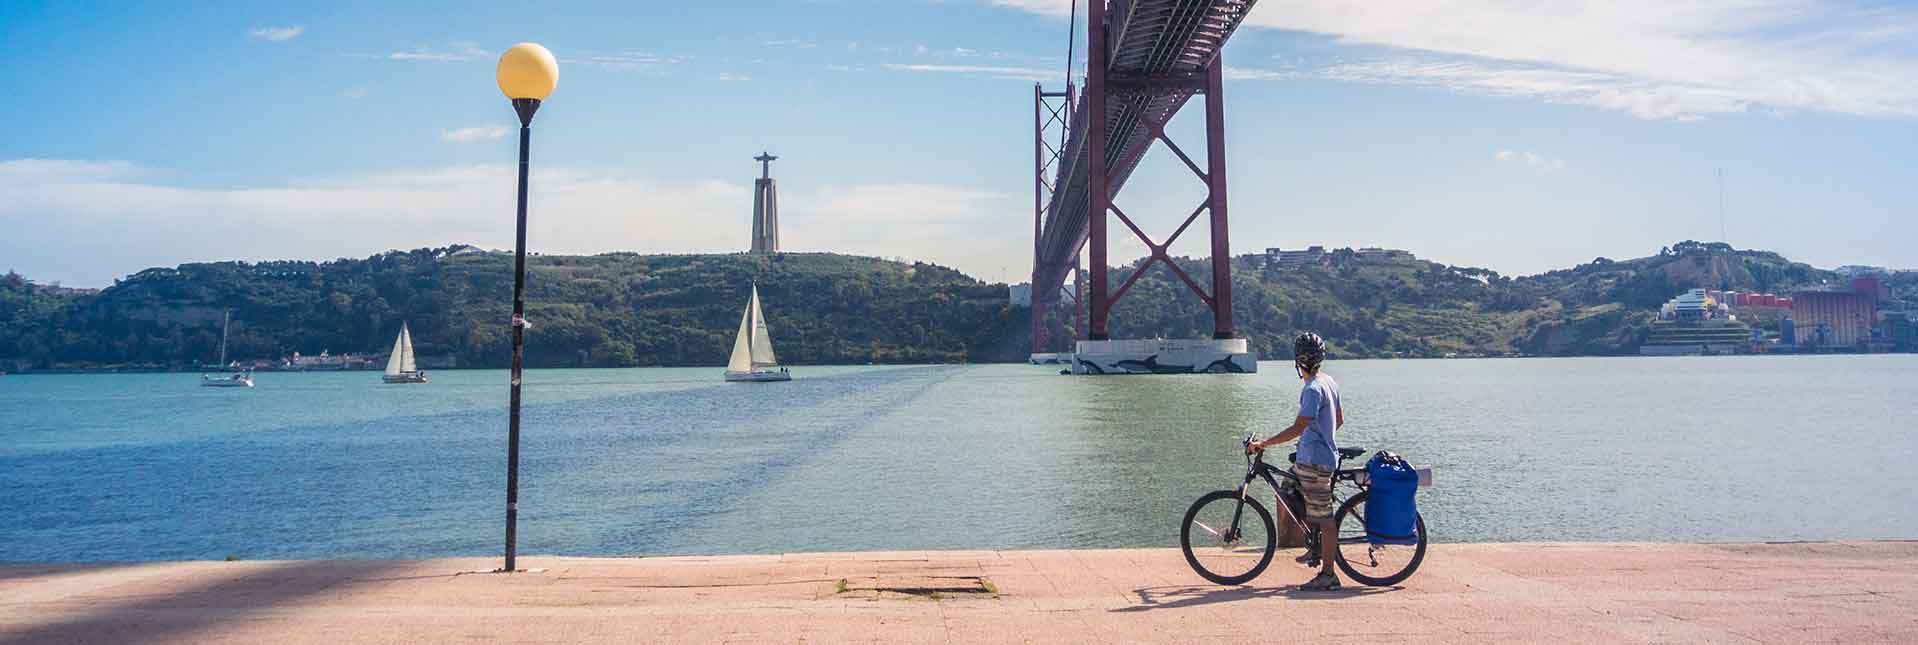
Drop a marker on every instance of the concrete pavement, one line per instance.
(1796, 592)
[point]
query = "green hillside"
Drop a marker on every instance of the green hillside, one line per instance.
(604, 310)
(623, 309)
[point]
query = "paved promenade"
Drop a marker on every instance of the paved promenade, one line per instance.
(1849, 591)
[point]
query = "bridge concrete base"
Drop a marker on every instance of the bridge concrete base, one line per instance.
(1165, 356)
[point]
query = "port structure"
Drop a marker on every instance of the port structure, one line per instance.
(1145, 60)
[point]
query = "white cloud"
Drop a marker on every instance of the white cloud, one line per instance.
(476, 133)
(355, 93)
(86, 223)
(459, 52)
(276, 34)
(627, 60)
(1011, 73)
(1058, 8)
(1532, 159)
(1653, 59)
(729, 76)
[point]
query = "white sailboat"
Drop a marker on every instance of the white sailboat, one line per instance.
(242, 379)
(753, 359)
(399, 366)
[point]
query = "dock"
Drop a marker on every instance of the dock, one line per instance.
(1535, 592)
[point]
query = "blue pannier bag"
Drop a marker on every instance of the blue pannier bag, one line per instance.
(1391, 510)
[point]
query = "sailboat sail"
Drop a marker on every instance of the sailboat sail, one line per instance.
(402, 359)
(406, 350)
(762, 342)
(741, 360)
(393, 361)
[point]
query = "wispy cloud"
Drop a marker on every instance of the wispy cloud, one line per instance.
(1058, 8)
(729, 76)
(993, 71)
(476, 133)
(276, 34)
(1652, 59)
(1532, 159)
(355, 93)
(457, 52)
(627, 60)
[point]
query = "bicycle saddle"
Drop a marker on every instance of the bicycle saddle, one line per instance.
(1350, 453)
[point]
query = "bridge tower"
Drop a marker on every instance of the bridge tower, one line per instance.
(1145, 60)
(1051, 111)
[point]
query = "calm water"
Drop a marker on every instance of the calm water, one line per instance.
(649, 461)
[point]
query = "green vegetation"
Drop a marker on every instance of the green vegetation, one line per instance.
(622, 309)
(594, 311)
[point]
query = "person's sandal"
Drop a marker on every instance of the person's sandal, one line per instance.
(1308, 559)
(1324, 582)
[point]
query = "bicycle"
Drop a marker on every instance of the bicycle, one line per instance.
(1220, 554)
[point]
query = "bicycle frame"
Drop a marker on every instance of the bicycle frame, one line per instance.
(1256, 468)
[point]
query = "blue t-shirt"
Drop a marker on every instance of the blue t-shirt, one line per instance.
(1319, 401)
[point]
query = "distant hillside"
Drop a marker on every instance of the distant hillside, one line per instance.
(623, 309)
(1383, 306)
(604, 310)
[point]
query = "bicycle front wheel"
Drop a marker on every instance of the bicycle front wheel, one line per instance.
(1377, 565)
(1228, 540)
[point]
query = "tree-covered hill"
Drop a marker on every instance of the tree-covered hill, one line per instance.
(622, 309)
(606, 310)
(1400, 306)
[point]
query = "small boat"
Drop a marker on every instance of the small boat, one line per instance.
(399, 366)
(243, 379)
(753, 360)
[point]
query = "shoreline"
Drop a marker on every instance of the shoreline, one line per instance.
(159, 370)
(1469, 592)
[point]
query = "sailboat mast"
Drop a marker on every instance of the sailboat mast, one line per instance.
(226, 320)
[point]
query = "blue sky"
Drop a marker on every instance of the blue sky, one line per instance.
(1490, 134)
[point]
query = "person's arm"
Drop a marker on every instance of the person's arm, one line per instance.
(1340, 420)
(1288, 434)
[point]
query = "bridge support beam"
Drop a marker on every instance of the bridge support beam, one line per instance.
(1215, 184)
(1097, 191)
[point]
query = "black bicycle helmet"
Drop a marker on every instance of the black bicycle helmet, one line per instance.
(1308, 351)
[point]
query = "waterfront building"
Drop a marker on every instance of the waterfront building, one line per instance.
(765, 207)
(1833, 319)
(1692, 306)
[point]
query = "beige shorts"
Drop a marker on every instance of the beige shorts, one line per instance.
(1315, 486)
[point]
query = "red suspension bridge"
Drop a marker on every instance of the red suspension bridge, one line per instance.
(1145, 60)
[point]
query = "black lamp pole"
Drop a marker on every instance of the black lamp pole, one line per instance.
(525, 108)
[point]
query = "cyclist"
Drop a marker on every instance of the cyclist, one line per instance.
(1320, 416)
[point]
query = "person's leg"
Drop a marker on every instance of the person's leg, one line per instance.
(1328, 547)
(1315, 483)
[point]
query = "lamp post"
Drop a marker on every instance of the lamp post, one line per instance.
(527, 73)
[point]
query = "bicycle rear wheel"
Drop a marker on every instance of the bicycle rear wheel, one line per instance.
(1377, 565)
(1226, 539)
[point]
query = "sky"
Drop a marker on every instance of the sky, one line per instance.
(1516, 136)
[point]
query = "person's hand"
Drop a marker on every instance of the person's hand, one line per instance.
(1254, 447)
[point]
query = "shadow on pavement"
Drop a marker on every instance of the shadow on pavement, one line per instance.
(1173, 597)
(155, 609)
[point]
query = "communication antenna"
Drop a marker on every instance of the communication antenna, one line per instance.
(1721, 207)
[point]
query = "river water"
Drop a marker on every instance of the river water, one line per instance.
(670, 460)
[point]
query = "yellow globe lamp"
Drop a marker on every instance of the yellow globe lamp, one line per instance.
(527, 71)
